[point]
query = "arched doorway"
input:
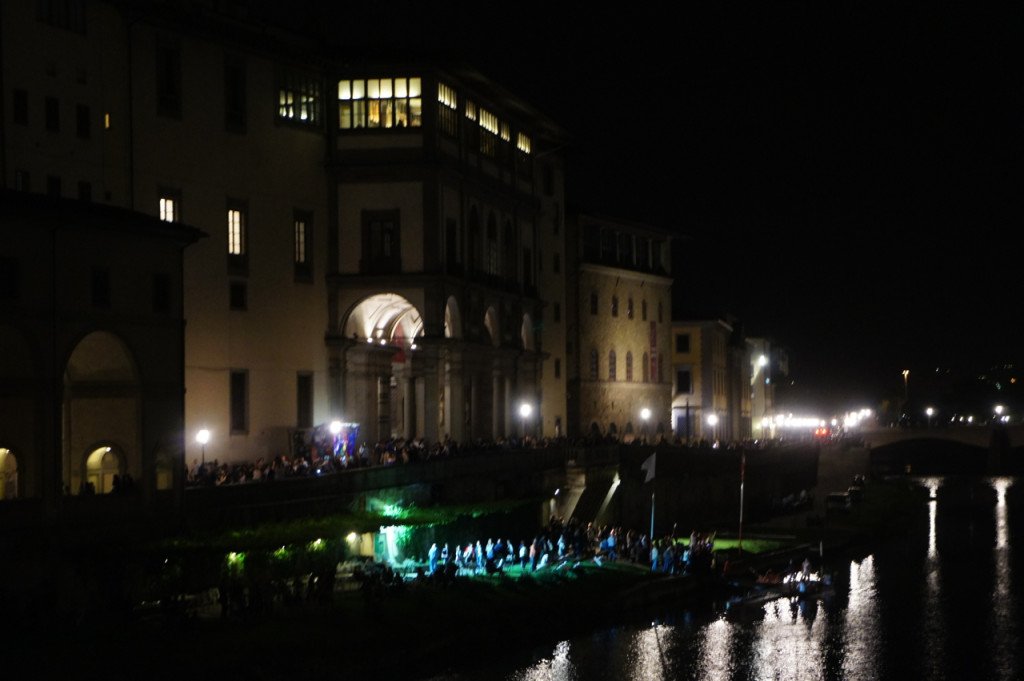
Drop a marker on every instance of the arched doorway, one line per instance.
(8, 475)
(101, 407)
(452, 319)
(380, 391)
(104, 470)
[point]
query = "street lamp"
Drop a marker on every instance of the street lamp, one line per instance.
(645, 416)
(999, 410)
(713, 422)
(906, 379)
(202, 437)
(930, 412)
(525, 410)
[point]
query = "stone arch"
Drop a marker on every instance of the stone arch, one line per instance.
(104, 467)
(491, 323)
(8, 474)
(527, 333)
(19, 411)
(102, 410)
(452, 319)
(613, 429)
(385, 318)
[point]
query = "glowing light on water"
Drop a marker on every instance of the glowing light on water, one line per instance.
(1003, 634)
(861, 636)
(557, 668)
(716, 663)
(649, 656)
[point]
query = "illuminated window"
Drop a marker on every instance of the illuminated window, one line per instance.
(380, 103)
(298, 99)
(447, 110)
(470, 110)
(303, 237)
(523, 143)
(237, 224)
(236, 231)
(488, 133)
(505, 132)
(168, 209)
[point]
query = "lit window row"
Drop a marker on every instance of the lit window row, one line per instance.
(523, 143)
(446, 95)
(380, 103)
(298, 99)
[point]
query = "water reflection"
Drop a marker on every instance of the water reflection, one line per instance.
(715, 658)
(934, 623)
(861, 640)
(1002, 611)
(938, 603)
(648, 655)
(558, 668)
(784, 651)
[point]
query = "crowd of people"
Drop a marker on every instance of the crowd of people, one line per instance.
(560, 544)
(322, 457)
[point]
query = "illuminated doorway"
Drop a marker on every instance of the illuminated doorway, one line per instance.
(8, 475)
(102, 467)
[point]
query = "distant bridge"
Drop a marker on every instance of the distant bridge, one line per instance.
(975, 436)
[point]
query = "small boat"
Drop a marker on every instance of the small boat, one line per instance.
(773, 586)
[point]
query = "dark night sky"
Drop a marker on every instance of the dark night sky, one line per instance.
(848, 177)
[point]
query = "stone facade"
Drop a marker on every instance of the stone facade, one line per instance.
(621, 326)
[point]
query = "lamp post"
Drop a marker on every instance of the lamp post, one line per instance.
(713, 422)
(202, 437)
(525, 409)
(906, 380)
(930, 412)
(645, 416)
(335, 428)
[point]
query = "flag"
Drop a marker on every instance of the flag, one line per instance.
(648, 467)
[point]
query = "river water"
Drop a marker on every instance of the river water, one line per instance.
(942, 603)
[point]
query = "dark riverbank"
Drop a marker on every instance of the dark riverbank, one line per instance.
(422, 630)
